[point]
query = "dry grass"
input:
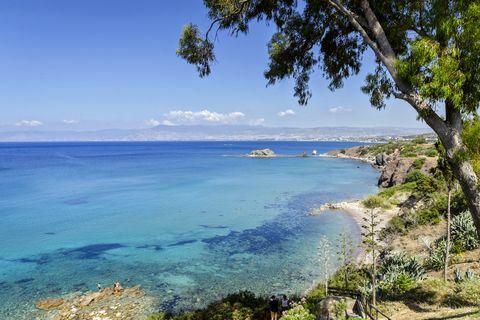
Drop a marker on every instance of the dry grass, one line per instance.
(422, 311)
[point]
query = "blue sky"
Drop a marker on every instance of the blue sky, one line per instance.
(92, 64)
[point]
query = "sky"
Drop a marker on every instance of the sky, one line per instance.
(98, 64)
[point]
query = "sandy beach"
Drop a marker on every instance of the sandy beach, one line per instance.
(358, 212)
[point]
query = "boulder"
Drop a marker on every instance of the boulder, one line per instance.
(262, 153)
(381, 159)
(48, 304)
(395, 172)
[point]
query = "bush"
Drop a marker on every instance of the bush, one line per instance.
(419, 140)
(298, 313)
(158, 316)
(373, 202)
(414, 176)
(418, 163)
(340, 309)
(466, 293)
(464, 232)
(427, 216)
(431, 153)
(397, 225)
(431, 291)
(355, 276)
(436, 258)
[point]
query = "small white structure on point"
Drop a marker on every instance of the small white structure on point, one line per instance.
(314, 152)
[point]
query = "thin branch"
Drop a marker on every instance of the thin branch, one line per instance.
(238, 10)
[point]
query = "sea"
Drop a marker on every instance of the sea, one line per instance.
(188, 221)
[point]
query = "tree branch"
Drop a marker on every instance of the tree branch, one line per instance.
(239, 9)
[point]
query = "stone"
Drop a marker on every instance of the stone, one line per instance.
(48, 304)
(262, 153)
(381, 159)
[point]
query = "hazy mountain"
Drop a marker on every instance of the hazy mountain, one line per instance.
(221, 132)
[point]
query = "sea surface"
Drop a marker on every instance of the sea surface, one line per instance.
(188, 221)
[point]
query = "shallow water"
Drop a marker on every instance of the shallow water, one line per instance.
(189, 221)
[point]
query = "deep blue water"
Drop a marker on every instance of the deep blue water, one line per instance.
(189, 221)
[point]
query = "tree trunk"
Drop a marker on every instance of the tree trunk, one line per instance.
(447, 242)
(463, 171)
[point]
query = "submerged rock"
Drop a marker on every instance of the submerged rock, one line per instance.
(50, 303)
(129, 303)
(262, 153)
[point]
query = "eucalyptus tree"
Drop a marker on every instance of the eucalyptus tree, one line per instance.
(427, 54)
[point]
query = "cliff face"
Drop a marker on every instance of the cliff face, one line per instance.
(396, 170)
(394, 160)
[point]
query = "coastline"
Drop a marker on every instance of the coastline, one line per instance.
(354, 208)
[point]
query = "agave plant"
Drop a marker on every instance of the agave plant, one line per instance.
(436, 258)
(395, 265)
(463, 231)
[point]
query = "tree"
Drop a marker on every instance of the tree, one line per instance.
(325, 255)
(427, 54)
(345, 251)
(371, 231)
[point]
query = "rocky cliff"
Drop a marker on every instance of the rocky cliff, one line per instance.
(394, 160)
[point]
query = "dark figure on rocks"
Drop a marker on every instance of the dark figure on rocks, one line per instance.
(274, 308)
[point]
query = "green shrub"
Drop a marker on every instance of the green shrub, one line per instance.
(428, 186)
(355, 278)
(427, 216)
(374, 201)
(298, 313)
(436, 257)
(466, 293)
(415, 176)
(419, 140)
(396, 225)
(431, 153)
(363, 151)
(464, 232)
(431, 291)
(158, 316)
(400, 274)
(418, 163)
(340, 309)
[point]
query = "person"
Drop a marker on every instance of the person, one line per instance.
(117, 287)
(273, 304)
(285, 303)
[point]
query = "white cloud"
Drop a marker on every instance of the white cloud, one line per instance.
(339, 109)
(70, 121)
(204, 116)
(187, 117)
(152, 122)
(29, 123)
(288, 112)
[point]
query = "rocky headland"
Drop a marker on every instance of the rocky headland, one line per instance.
(394, 160)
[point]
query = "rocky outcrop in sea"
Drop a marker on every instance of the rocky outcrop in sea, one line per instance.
(262, 153)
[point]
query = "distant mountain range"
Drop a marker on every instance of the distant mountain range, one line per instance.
(221, 132)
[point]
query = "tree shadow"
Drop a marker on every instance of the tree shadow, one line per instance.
(457, 316)
(415, 307)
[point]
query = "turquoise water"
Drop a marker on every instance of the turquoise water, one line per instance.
(189, 221)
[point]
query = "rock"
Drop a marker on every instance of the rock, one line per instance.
(262, 153)
(395, 172)
(381, 159)
(48, 304)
